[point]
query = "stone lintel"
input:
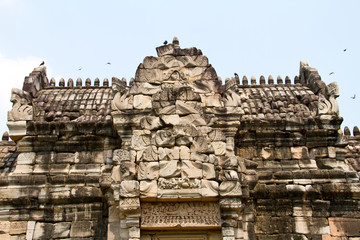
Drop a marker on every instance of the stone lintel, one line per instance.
(178, 215)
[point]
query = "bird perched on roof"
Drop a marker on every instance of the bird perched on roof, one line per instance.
(331, 73)
(166, 42)
(42, 63)
(237, 80)
(353, 96)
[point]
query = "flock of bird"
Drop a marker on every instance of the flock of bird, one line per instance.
(236, 75)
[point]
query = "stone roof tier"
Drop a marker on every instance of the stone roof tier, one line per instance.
(79, 104)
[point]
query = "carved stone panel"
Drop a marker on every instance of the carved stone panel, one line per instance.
(180, 214)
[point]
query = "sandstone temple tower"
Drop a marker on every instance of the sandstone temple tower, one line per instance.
(178, 155)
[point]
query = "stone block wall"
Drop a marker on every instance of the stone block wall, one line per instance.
(54, 195)
(300, 191)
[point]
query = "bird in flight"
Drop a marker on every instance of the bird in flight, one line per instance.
(42, 63)
(345, 50)
(331, 73)
(108, 63)
(353, 96)
(166, 42)
(79, 69)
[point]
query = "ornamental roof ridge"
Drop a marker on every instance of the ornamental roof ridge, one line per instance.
(78, 83)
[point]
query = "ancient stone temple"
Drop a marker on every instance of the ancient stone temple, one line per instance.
(178, 155)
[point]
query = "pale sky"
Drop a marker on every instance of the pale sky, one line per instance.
(259, 37)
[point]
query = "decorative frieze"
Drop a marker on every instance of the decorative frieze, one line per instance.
(180, 215)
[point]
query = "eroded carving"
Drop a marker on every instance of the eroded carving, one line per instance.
(22, 109)
(179, 183)
(129, 204)
(333, 93)
(185, 214)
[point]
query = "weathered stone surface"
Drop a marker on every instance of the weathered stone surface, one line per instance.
(190, 169)
(219, 148)
(230, 188)
(113, 214)
(43, 230)
(170, 169)
(122, 102)
(168, 153)
(149, 154)
(127, 171)
(150, 123)
(164, 138)
(23, 169)
(184, 153)
(61, 230)
(274, 225)
(121, 155)
(144, 88)
(209, 188)
(5, 236)
(30, 229)
(26, 158)
(299, 153)
(129, 188)
(171, 119)
(115, 175)
(134, 232)
(4, 226)
(184, 108)
(148, 189)
(301, 225)
(113, 231)
(81, 229)
(142, 102)
(148, 170)
(129, 205)
(140, 140)
(18, 227)
(208, 170)
(22, 108)
(229, 175)
(344, 227)
(69, 157)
